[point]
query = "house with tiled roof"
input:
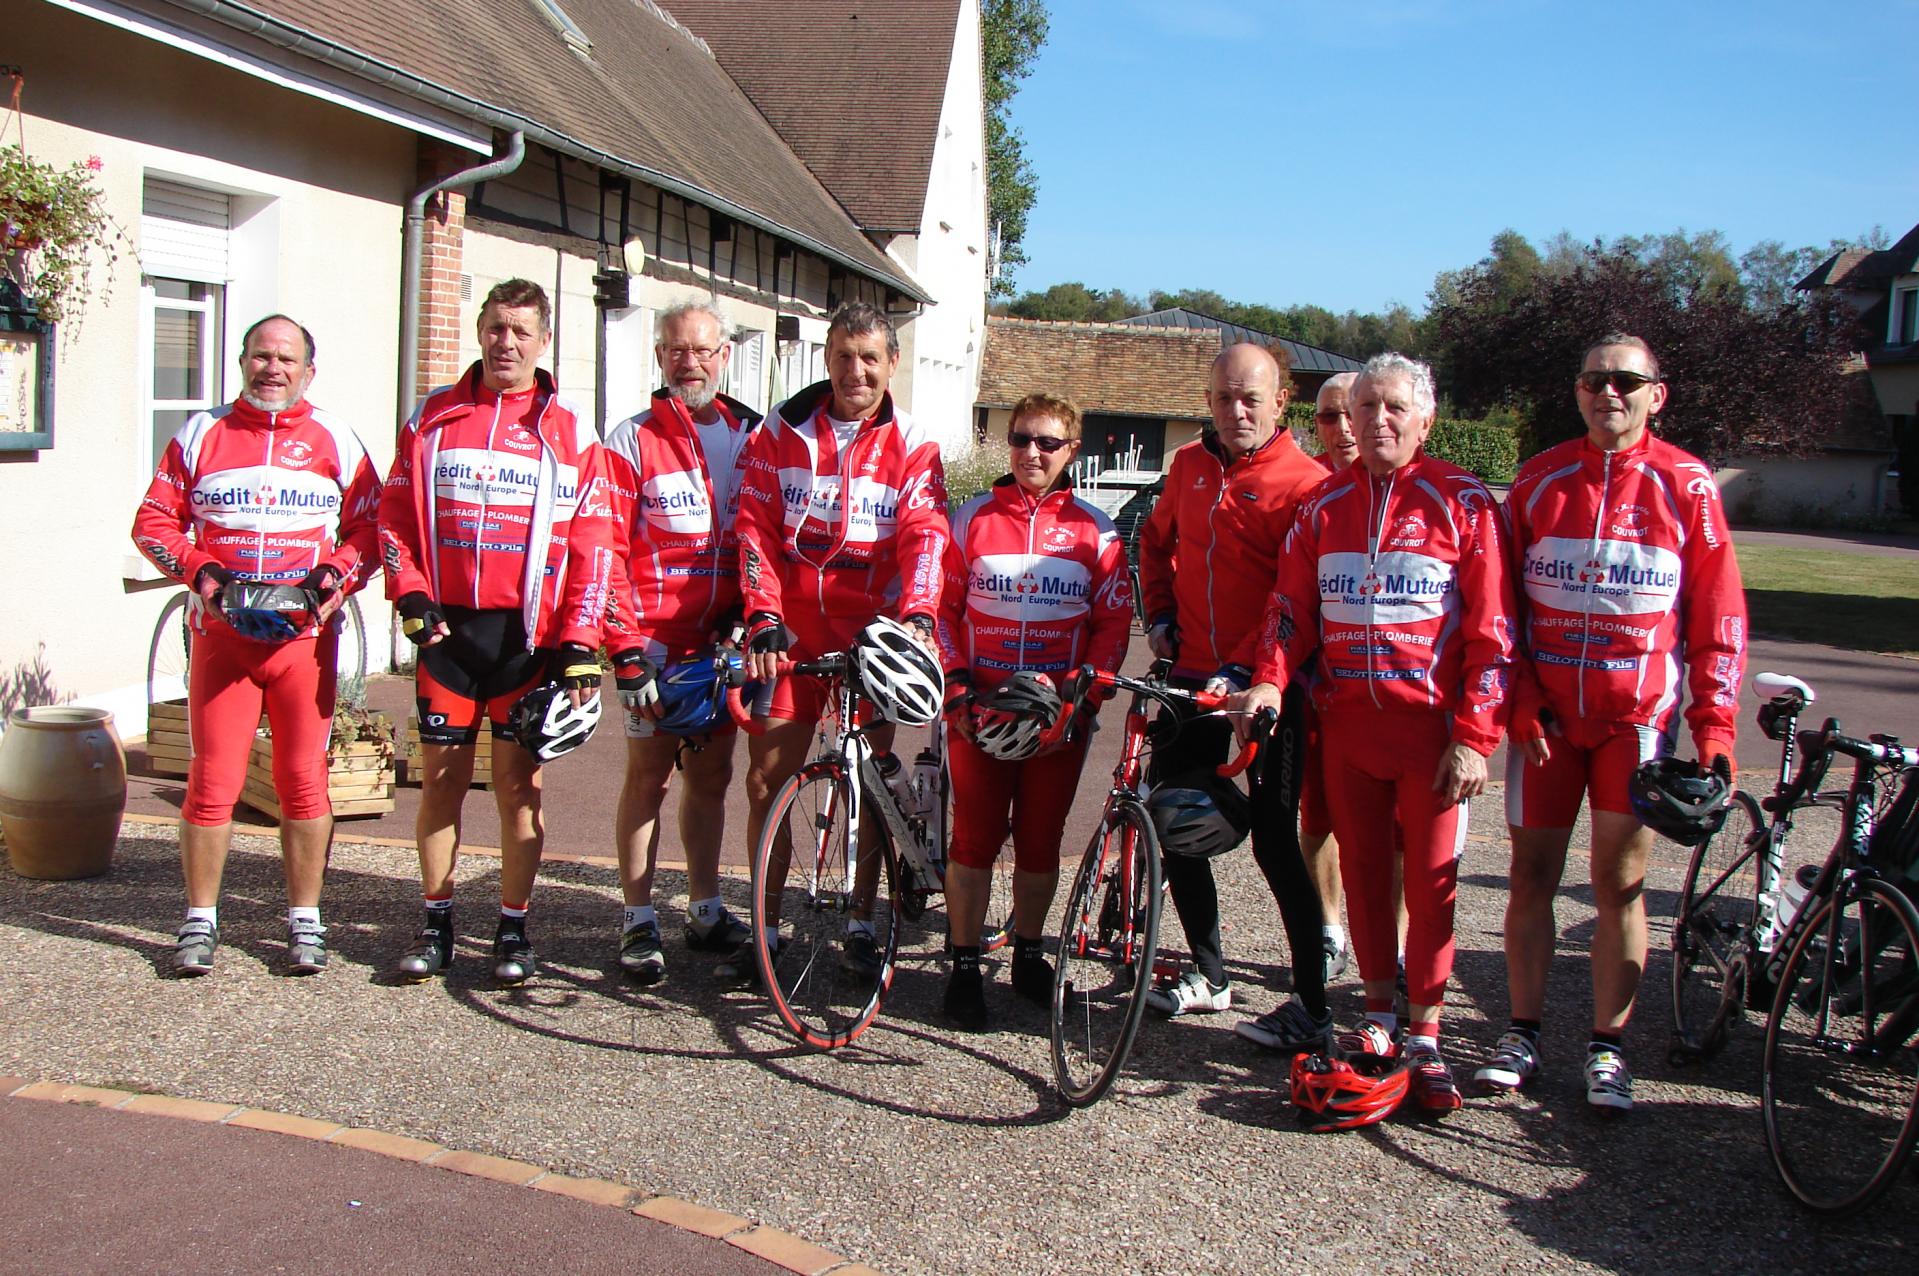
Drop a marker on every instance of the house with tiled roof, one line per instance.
(1883, 286)
(373, 167)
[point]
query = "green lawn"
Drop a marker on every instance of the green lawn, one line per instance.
(1863, 602)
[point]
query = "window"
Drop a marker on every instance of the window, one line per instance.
(1905, 316)
(745, 371)
(1123, 442)
(184, 318)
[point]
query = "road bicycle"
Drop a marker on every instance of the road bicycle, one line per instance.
(170, 649)
(1839, 1074)
(1109, 926)
(823, 868)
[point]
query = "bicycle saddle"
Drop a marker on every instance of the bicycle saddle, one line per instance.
(1770, 685)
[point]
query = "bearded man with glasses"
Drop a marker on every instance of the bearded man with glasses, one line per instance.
(1629, 575)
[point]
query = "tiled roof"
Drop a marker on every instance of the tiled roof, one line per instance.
(1866, 270)
(649, 96)
(1104, 367)
(1306, 358)
(854, 86)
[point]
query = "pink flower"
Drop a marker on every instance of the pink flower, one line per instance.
(95, 163)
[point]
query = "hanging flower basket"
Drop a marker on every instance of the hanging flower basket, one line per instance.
(54, 232)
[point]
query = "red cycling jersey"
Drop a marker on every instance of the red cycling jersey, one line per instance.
(840, 522)
(266, 495)
(1221, 525)
(499, 503)
(1033, 584)
(674, 508)
(1403, 586)
(1629, 570)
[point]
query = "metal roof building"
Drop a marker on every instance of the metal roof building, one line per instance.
(1305, 358)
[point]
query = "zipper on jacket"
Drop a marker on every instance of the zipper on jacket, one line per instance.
(1372, 573)
(260, 547)
(1212, 543)
(479, 523)
(1592, 553)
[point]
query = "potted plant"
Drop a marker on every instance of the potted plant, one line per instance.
(360, 773)
(53, 226)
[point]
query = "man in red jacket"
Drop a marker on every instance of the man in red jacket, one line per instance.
(675, 475)
(496, 534)
(842, 519)
(1631, 585)
(1228, 503)
(266, 489)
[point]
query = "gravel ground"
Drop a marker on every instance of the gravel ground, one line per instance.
(920, 1149)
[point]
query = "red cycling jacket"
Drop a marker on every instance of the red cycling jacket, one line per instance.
(837, 523)
(266, 495)
(1033, 584)
(1402, 584)
(673, 516)
(1221, 526)
(499, 502)
(1628, 570)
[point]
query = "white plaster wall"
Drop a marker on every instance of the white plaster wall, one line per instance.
(321, 191)
(1809, 491)
(940, 349)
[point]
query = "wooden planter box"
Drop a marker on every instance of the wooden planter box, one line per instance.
(410, 756)
(360, 779)
(169, 748)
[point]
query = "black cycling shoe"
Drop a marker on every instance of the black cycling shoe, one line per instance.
(966, 999)
(1033, 977)
(726, 936)
(513, 959)
(430, 955)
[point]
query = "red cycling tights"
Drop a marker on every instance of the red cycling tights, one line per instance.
(230, 681)
(1031, 798)
(1378, 769)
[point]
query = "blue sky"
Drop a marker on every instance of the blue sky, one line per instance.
(1342, 154)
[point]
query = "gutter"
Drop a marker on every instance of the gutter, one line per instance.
(295, 39)
(410, 261)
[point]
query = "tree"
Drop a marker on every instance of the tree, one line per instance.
(1741, 379)
(1011, 34)
(1074, 302)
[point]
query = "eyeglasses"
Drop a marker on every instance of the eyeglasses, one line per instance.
(703, 354)
(1327, 418)
(1017, 439)
(1624, 382)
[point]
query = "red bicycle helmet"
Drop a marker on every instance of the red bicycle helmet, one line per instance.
(1330, 1094)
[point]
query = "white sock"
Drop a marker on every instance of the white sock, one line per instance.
(517, 914)
(1422, 1043)
(297, 915)
(1385, 1019)
(639, 915)
(1335, 932)
(211, 916)
(704, 913)
(858, 927)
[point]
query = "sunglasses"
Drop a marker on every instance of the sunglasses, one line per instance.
(1017, 439)
(1327, 418)
(1624, 382)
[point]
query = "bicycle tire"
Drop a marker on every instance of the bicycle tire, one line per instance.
(1839, 1087)
(1107, 943)
(820, 998)
(169, 652)
(351, 660)
(1712, 932)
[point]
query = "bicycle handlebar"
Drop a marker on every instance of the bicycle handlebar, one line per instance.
(736, 708)
(1090, 680)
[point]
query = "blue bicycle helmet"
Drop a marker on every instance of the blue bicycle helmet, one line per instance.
(266, 611)
(693, 692)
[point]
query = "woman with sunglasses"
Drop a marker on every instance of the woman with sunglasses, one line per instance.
(1036, 586)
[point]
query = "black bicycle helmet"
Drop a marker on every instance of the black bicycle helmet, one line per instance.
(1200, 815)
(1007, 724)
(549, 725)
(1680, 800)
(267, 611)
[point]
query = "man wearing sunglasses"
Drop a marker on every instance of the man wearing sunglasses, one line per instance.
(1229, 501)
(1629, 575)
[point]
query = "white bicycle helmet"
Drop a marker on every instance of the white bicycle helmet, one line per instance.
(547, 723)
(1200, 815)
(897, 674)
(1007, 725)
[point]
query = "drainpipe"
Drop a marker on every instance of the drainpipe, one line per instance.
(410, 261)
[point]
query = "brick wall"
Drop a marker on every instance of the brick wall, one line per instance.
(441, 256)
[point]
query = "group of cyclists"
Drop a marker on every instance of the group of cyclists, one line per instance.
(1383, 607)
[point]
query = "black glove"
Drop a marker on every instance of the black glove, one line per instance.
(420, 616)
(730, 629)
(323, 581)
(959, 693)
(633, 677)
(922, 622)
(575, 668)
(765, 632)
(212, 572)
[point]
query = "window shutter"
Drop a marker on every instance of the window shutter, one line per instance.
(183, 232)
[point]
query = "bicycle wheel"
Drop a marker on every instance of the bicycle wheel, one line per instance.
(168, 651)
(351, 660)
(1711, 932)
(1108, 935)
(803, 864)
(1840, 1089)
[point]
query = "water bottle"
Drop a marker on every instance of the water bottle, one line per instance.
(894, 776)
(1793, 892)
(926, 804)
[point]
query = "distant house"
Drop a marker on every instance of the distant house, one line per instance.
(1142, 389)
(1312, 365)
(264, 157)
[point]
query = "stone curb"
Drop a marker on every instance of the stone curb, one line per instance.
(782, 1249)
